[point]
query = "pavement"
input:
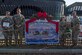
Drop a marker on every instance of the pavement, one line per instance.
(73, 51)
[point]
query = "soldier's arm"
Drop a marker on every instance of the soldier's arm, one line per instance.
(12, 22)
(78, 23)
(2, 22)
(13, 18)
(72, 25)
(60, 28)
(22, 21)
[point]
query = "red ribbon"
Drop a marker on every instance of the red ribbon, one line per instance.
(42, 15)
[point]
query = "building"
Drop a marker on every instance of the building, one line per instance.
(29, 7)
(77, 6)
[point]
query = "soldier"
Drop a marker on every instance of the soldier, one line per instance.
(62, 28)
(7, 26)
(68, 31)
(19, 26)
(75, 27)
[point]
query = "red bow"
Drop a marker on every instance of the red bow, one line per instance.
(42, 14)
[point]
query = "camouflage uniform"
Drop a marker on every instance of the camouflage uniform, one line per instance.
(7, 31)
(62, 28)
(19, 31)
(68, 31)
(75, 29)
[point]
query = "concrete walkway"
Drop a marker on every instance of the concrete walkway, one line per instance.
(75, 51)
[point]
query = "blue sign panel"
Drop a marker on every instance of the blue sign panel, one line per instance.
(42, 32)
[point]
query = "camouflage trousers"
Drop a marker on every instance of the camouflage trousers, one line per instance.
(75, 37)
(64, 36)
(8, 37)
(19, 35)
(62, 39)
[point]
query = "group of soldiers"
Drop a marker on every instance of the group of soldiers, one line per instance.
(69, 29)
(13, 26)
(16, 25)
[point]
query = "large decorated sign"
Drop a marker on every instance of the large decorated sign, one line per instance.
(41, 31)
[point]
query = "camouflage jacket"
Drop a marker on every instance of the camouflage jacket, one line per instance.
(7, 20)
(62, 27)
(19, 20)
(75, 24)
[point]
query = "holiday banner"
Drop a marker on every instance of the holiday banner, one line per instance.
(41, 31)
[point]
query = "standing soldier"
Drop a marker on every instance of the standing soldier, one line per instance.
(62, 28)
(75, 28)
(19, 26)
(7, 26)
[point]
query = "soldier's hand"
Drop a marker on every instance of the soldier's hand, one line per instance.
(11, 26)
(18, 26)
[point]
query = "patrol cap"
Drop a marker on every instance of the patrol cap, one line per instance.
(7, 12)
